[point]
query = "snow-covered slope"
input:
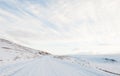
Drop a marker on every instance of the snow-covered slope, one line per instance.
(30, 62)
(11, 52)
(107, 63)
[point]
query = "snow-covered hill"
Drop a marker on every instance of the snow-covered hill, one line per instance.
(12, 52)
(30, 62)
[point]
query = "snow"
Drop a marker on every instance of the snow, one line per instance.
(53, 66)
(16, 60)
(11, 52)
(49, 66)
(100, 62)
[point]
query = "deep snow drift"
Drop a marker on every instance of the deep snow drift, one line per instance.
(30, 62)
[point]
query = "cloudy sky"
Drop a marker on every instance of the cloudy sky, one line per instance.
(63, 26)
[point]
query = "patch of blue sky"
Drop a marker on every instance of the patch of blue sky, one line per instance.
(41, 2)
(49, 24)
(28, 12)
(45, 21)
(10, 8)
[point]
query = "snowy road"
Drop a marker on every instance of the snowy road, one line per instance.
(49, 66)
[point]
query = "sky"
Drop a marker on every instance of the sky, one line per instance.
(63, 26)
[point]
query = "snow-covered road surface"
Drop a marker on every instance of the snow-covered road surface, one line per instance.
(49, 66)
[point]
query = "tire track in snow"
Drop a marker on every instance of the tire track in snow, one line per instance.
(109, 71)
